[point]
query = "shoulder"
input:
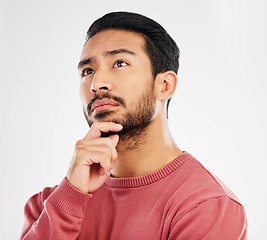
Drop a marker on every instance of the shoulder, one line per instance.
(195, 182)
(192, 185)
(202, 201)
(215, 218)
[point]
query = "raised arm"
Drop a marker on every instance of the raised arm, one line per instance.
(57, 213)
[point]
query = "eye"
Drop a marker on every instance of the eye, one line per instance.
(87, 71)
(120, 63)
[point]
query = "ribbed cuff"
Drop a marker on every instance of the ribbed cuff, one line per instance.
(69, 199)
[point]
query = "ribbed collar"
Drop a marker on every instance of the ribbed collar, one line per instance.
(149, 178)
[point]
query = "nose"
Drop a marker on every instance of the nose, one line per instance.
(100, 82)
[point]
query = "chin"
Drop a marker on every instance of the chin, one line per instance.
(104, 116)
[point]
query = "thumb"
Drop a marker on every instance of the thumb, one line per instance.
(115, 139)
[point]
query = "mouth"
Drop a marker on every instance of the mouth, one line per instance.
(103, 105)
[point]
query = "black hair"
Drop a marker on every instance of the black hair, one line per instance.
(162, 51)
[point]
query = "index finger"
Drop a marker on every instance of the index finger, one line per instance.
(98, 127)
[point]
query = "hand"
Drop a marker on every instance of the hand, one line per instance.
(94, 157)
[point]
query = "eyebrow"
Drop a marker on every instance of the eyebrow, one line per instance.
(108, 53)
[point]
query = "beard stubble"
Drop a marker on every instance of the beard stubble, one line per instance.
(136, 119)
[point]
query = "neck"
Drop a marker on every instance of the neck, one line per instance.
(146, 152)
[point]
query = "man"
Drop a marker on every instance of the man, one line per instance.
(128, 179)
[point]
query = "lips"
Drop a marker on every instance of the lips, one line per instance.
(103, 104)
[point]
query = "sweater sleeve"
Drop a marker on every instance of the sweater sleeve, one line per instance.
(56, 215)
(219, 218)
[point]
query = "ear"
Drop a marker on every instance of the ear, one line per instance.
(165, 85)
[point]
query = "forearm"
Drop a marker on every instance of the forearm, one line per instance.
(60, 215)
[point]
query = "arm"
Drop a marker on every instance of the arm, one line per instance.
(218, 218)
(60, 215)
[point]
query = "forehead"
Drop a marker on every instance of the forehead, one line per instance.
(109, 40)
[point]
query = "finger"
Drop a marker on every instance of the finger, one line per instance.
(91, 150)
(115, 139)
(104, 144)
(111, 152)
(110, 141)
(103, 160)
(97, 128)
(94, 157)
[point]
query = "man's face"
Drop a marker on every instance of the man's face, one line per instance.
(117, 81)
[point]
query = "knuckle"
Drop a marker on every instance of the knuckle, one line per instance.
(95, 125)
(79, 155)
(79, 143)
(104, 155)
(107, 142)
(105, 158)
(107, 149)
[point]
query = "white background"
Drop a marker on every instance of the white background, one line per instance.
(218, 114)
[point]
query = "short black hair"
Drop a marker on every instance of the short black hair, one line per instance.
(162, 50)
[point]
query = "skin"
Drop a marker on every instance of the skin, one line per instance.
(127, 75)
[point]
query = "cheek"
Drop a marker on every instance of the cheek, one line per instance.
(133, 80)
(134, 85)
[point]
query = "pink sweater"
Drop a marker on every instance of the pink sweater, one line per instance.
(180, 201)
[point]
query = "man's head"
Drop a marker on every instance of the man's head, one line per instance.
(161, 48)
(122, 58)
